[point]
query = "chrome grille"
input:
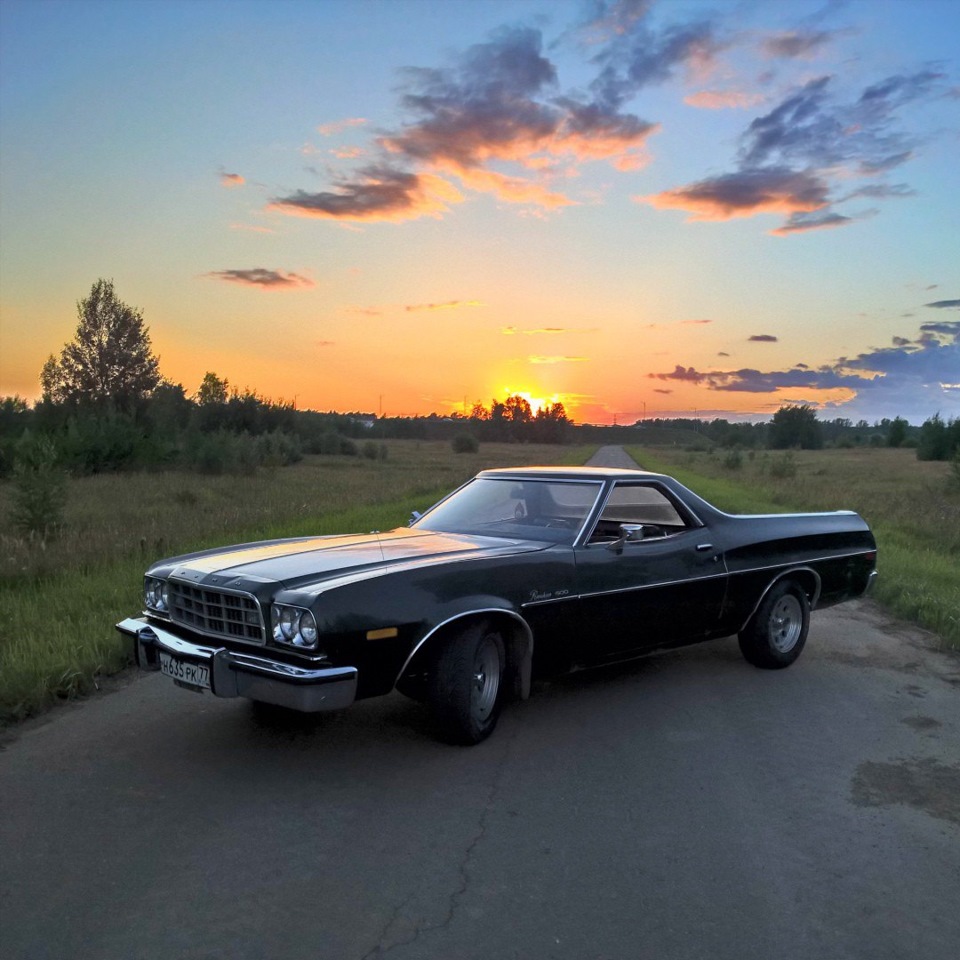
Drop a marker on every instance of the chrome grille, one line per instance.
(235, 616)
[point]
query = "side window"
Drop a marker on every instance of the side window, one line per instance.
(638, 504)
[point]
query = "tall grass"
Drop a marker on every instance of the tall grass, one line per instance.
(911, 506)
(59, 601)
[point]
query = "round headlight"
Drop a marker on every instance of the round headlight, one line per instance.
(289, 620)
(148, 592)
(165, 595)
(308, 629)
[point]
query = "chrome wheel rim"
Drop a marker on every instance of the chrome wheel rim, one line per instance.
(786, 622)
(486, 680)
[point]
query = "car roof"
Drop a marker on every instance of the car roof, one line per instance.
(570, 473)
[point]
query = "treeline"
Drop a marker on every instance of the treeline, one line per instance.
(170, 430)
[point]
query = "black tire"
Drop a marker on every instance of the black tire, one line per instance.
(466, 685)
(777, 632)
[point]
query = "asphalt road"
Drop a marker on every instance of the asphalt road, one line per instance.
(685, 806)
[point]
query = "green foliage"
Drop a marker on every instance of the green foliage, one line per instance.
(796, 426)
(897, 433)
(372, 450)
(733, 460)
(465, 443)
(39, 488)
(783, 467)
(938, 440)
(109, 361)
(212, 389)
(953, 478)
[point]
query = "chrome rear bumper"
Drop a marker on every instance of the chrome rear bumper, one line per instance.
(235, 674)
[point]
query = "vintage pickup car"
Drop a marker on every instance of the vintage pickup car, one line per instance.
(519, 573)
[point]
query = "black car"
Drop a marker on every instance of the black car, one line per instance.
(520, 573)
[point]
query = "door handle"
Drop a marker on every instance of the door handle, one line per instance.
(703, 547)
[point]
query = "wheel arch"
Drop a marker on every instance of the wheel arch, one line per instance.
(808, 580)
(517, 640)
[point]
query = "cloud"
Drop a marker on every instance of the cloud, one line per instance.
(496, 121)
(793, 159)
(764, 338)
(338, 126)
(922, 369)
(746, 193)
(793, 44)
(262, 278)
(637, 55)
(943, 305)
(251, 228)
(378, 194)
(801, 222)
(722, 99)
(447, 305)
(348, 153)
(661, 390)
(231, 179)
(695, 322)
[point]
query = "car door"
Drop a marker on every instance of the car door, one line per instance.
(664, 585)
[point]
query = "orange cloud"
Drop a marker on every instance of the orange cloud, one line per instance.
(722, 99)
(231, 179)
(379, 194)
(338, 126)
(745, 194)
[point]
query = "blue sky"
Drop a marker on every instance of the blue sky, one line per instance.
(634, 207)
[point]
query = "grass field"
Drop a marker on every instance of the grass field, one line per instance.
(910, 505)
(58, 603)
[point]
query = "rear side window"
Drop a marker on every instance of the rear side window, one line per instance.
(638, 504)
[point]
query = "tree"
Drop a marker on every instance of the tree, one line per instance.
(796, 426)
(212, 389)
(109, 360)
(897, 434)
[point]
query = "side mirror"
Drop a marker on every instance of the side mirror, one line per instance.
(629, 533)
(415, 515)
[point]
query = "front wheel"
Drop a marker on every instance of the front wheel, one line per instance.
(777, 632)
(466, 685)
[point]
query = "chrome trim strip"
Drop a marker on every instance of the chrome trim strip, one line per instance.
(459, 616)
(787, 567)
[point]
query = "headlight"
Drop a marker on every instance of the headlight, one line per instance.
(294, 626)
(156, 594)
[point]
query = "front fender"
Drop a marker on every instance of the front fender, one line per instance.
(517, 635)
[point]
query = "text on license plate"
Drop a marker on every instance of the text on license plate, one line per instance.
(194, 674)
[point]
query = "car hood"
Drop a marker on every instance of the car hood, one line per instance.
(307, 560)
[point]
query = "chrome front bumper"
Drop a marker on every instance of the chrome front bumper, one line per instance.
(235, 674)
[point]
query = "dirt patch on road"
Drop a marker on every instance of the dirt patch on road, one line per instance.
(924, 784)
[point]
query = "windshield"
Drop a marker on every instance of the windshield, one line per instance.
(530, 509)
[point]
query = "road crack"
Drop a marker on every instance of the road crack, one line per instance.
(383, 949)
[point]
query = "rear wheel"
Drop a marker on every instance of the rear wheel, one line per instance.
(777, 632)
(465, 690)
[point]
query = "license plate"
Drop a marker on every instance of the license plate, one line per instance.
(185, 673)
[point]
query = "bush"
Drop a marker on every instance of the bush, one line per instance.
(733, 460)
(783, 467)
(465, 443)
(39, 488)
(375, 451)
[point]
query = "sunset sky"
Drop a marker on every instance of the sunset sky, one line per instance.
(663, 208)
